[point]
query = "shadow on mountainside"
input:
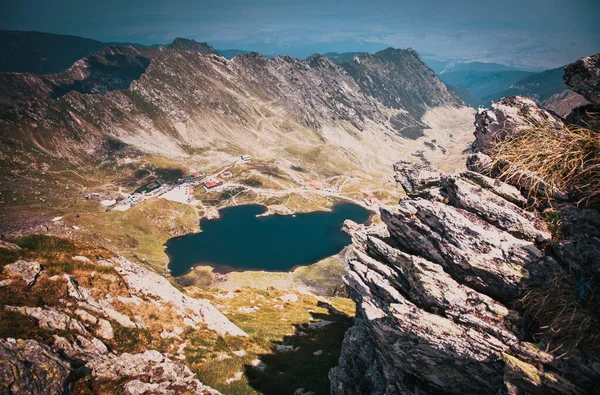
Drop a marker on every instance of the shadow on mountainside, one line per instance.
(315, 352)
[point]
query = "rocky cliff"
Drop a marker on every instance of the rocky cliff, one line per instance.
(441, 287)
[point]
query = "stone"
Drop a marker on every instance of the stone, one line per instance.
(284, 348)
(236, 377)
(258, 365)
(28, 271)
(150, 367)
(289, 298)
(248, 310)
(104, 329)
(28, 367)
(318, 352)
(82, 259)
(51, 318)
(437, 299)
(319, 324)
(583, 76)
(509, 116)
(86, 317)
(194, 311)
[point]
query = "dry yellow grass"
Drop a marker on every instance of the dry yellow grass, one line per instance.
(565, 159)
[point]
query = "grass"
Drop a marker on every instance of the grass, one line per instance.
(275, 322)
(565, 159)
(565, 312)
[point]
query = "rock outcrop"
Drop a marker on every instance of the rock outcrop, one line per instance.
(80, 332)
(28, 367)
(437, 300)
(28, 271)
(583, 76)
(510, 115)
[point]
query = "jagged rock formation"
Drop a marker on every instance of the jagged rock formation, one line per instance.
(81, 330)
(27, 367)
(510, 115)
(438, 291)
(437, 298)
(583, 76)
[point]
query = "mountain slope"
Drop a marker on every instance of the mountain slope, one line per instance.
(111, 68)
(184, 100)
(42, 53)
(482, 83)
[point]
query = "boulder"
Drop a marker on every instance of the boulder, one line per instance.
(28, 271)
(51, 318)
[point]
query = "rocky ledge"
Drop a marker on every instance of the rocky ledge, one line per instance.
(437, 298)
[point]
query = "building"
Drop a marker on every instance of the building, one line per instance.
(315, 184)
(213, 184)
(370, 200)
(246, 158)
(227, 174)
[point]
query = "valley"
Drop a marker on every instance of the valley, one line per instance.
(174, 220)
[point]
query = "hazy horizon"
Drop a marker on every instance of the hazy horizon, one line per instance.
(534, 33)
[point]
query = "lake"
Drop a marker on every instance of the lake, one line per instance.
(239, 240)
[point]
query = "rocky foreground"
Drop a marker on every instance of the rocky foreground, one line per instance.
(438, 290)
(86, 322)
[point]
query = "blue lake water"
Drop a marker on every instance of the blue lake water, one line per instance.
(239, 240)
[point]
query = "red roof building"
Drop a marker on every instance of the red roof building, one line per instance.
(315, 184)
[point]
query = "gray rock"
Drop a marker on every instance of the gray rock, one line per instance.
(51, 318)
(104, 329)
(28, 271)
(583, 76)
(436, 299)
(159, 374)
(510, 115)
(28, 367)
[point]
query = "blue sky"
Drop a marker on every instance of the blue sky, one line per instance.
(535, 33)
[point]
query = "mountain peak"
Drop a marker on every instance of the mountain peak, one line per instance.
(185, 44)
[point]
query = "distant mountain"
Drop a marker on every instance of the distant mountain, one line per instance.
(482, 84)
(466, 95)
(184, 44)
(230, 53)
(478, 67)
(42, 53)
(548, 88)
(343, 57)
(539, 86)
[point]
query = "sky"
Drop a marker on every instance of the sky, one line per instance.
(530, 33)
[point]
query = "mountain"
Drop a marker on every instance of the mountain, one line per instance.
(184, 44)
(42, 53)
(185, 100)
(478, 67)
(483, 84)
(230, 53)
(548, 88)
(343, 57)
(111, 68)
(539, 86)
